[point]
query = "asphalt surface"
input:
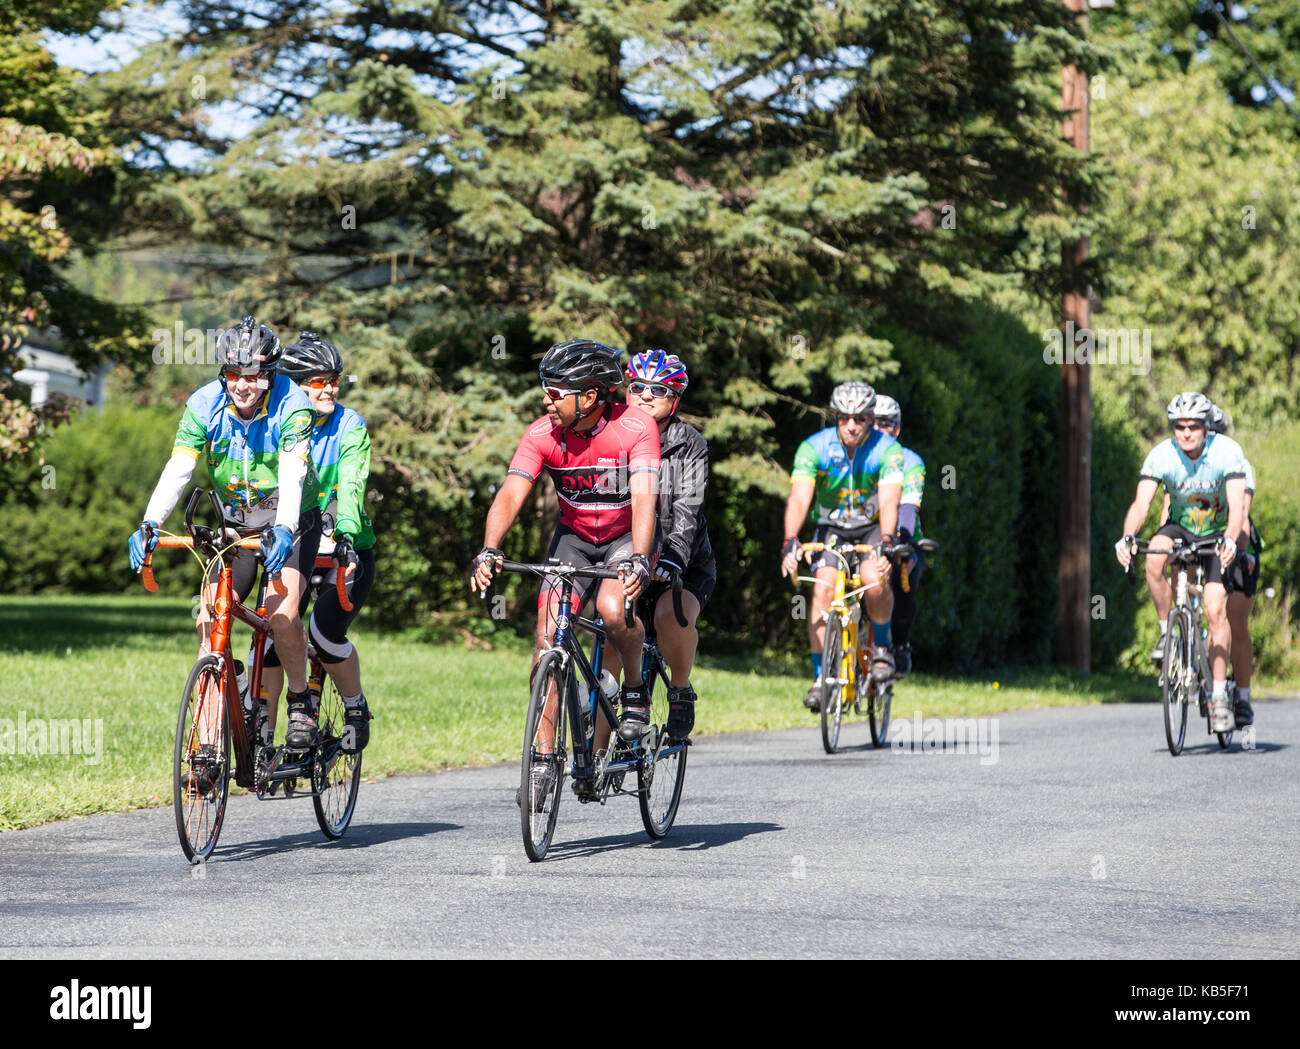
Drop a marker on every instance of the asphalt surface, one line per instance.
(1077, 836)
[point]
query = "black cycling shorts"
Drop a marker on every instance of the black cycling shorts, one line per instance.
(1209, 562)
(328, 626)
(570, 548)
(305, 544)
(698, 579)
(1242, 579)
(852, 537)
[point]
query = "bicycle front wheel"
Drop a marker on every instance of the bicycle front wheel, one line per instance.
(660, 776)
(335, 774)
(878, 704)
(1176, 677)
(541, 770)
(834, 675)
(201, 760)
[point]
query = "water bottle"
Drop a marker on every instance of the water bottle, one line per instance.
(241, 683)
(262, 721)
(608, 685)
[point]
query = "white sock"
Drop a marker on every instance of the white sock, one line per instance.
(1164, 627)
(1220, 690)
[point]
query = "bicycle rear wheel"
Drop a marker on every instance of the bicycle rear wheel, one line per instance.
(335, 775)
(202, 719)
(1176, 678)
(541, 775)
(659, 779)
(834, 675)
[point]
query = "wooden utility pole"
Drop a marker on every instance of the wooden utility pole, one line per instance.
(1073, 602)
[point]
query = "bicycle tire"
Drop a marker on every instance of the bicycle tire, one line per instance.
(878, 704)
(832, 697)
(199, 817)
(1175, 677)
(335, 774)
(537, 813)
(659, 784)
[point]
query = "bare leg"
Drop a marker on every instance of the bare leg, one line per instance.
(1238, 621)
(677, 643)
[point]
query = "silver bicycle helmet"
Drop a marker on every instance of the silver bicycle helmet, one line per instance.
(1190, 406)
(1220, 421)
(853, 398)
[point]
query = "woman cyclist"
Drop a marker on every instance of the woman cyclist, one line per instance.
(340, 452)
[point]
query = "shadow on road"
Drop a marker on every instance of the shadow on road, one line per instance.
(358, 837)
(1212, 747)
(687, 837)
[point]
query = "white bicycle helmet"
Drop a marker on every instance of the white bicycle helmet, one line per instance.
(1190, 406)
(888, 410)
(1220, 421)
(853, 398)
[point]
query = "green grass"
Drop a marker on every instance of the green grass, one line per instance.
(123, 661)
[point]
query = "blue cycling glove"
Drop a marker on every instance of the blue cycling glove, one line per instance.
(141, 543)
(278, 552)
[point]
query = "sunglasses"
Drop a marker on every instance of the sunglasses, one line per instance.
(1188, 426)
(557, 394)
(860, 419)
(655, 389)
(234, 375)
(319, 382)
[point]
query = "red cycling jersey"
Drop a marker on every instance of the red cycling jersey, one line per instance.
(592, 470)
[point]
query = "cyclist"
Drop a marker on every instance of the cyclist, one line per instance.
(1243, 579)
(604, 460)
(255, 427)
(1205, 481)
(657, 381)
(889, 420)
(837, 471)
(340, 452)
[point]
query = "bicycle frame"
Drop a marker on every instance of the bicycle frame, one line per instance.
(849, 612)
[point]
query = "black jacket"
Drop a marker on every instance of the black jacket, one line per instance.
(683, 481)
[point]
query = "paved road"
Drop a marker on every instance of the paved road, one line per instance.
(1079, 836)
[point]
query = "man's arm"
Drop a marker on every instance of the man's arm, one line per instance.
(798, 504)
(1137, 513)
(890, 495)
(505, 509)
(1236, 489)
(689, 481)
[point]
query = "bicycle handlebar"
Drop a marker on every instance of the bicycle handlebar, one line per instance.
(1183, 552)
(573, 571)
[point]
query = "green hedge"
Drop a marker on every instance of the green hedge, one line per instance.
(979, 404)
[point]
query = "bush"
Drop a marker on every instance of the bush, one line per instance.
(83, 504)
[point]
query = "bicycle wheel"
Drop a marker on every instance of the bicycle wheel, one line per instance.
(335, 775)
(541, 774)
(833, 676)
(202, 717)
(1176, 678)
(659, 782)
(878, 704)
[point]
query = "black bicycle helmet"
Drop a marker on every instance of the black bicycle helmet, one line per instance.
(310, 355)
(581, 364)
(248, 345)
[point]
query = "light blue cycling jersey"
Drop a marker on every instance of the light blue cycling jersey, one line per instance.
(1198, 497)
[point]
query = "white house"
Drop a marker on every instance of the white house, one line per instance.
(47, 371)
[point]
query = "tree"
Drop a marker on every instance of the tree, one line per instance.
(53, 191)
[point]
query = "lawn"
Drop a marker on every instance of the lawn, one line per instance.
(116, 665)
